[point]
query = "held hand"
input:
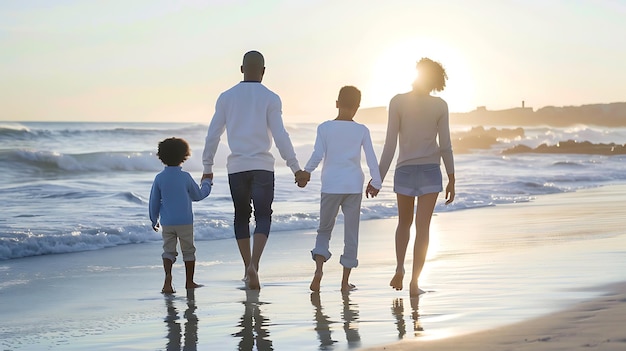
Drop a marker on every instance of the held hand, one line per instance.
(207, 176)
(302, 178)
(371, 191)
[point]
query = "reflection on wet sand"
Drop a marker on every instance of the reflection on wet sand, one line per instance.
(253, 325)
(349, 315)
(174, 330)
(397, 309)
(322, 323)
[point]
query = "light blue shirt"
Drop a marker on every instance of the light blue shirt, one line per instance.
(172, 192)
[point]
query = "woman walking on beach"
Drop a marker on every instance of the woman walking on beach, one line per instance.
(419, 123)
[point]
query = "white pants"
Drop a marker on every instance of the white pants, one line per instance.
(329, 208)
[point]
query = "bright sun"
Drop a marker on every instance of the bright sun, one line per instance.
(394, 71)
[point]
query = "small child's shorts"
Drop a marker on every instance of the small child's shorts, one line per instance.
(174, 234)
(416, 180)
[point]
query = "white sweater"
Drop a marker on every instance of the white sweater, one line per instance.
(251, 114)
(415, 123)
(339, 143)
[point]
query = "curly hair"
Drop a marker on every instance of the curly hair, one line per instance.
(432, 75)
(173, 151)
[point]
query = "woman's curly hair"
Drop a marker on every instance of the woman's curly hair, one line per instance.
(431, 74)
(173, 151)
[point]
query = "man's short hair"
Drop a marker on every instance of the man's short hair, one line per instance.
(253, 59)
(349, 97)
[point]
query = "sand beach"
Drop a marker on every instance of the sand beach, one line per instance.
(543, 275)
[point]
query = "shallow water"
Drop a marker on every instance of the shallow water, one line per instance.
(486, 267)
(70, 187)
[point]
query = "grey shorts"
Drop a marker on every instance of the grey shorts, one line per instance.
(416, 180)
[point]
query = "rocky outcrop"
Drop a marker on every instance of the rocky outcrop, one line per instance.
(571, 147)
(481, 138)
(611, 115)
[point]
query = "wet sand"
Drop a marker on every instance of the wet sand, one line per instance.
(538, 275)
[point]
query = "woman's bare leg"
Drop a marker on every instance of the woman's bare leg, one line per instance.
(406, 205)
(423, 214)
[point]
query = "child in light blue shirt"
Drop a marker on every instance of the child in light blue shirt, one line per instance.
(171, 196)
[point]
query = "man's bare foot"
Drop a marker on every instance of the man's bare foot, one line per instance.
(315, 283)
(347, 287)
(167, 285)
(253, 279)
(396, 281)
(193, 285)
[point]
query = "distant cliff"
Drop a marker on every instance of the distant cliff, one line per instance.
(611, 115)
(371, 115)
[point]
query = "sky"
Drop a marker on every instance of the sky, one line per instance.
(168, 61)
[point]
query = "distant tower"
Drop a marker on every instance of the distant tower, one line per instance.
(523, 103)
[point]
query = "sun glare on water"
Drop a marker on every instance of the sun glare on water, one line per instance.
(394, 72)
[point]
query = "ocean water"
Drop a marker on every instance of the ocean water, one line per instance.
(68, 187)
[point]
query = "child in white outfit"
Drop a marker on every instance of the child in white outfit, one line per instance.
(339, 143)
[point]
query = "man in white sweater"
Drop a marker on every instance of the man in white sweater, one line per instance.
(251, 114)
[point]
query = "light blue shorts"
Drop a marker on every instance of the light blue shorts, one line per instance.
(416, 180)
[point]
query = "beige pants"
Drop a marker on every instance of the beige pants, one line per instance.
(350, 205)
(172, 234)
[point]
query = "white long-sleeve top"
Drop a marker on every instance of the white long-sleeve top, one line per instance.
(415, 123)
(251, 114)
(339, 144)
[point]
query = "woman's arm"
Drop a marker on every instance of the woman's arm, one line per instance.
(391, 139)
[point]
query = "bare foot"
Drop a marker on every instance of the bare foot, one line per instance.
(193, 285)
(396, 281)
(167, 285)
(414, 291)
(315, 283)
(253, 279)
(347, 287)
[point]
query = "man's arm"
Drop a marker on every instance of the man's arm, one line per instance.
(280, 135)
(212, 140)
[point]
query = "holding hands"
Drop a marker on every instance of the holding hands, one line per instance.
(371, 191)
(302, 178)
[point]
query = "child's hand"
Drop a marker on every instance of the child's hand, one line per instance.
(302, 178)
(371, 191)
(156, 227)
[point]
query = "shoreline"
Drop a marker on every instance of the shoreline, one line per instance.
(487, 270)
